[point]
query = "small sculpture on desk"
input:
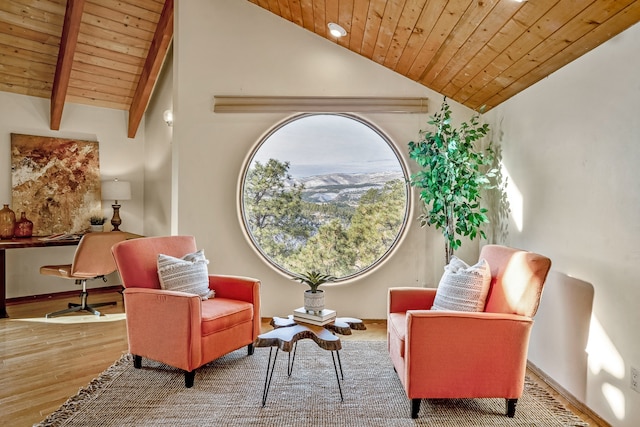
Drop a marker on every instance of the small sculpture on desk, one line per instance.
(23, 227)
(7, 222)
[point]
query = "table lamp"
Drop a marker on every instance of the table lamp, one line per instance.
(116, 190)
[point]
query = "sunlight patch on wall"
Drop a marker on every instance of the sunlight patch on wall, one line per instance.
(515, 199)
(615, 399)
(603, 355)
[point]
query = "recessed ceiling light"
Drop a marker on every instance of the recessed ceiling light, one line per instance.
(336, 30)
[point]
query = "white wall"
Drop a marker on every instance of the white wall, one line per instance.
(158, 172)
(226, 47)
(571, 145)
(119, 157)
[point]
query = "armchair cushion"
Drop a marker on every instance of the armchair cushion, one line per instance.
(220, 314)
(187, 274)
(463, 287)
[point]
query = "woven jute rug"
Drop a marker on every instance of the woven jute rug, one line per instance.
(228, 392)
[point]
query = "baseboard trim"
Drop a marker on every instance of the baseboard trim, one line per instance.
(60, 295)
(566, 395)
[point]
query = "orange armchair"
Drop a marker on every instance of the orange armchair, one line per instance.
(455, 354)
(178, 328)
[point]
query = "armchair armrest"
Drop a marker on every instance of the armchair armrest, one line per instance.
(241, 289)
(402, 299)
(236, 287)
(163, 325)
(476, 353)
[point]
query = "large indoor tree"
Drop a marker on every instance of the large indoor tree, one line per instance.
(453, 172)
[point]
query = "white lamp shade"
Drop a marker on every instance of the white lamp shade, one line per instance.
(116, 190)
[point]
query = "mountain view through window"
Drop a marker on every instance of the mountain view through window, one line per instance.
(327, 193)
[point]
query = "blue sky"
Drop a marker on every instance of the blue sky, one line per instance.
(323, 144)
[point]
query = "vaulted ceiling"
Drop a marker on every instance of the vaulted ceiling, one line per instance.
(108, 53)
(477, 52)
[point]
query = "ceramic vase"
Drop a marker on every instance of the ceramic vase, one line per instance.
(23, 227)
(313, 301)
(7, 222)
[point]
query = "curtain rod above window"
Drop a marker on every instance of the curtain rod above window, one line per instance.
(317, 104)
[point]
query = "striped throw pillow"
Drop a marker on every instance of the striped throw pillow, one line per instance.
(463, 287)
(187, 274)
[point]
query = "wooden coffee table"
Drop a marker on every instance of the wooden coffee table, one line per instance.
(286, 334)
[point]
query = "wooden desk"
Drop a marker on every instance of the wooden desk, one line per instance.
(28, 242)
(18, 243)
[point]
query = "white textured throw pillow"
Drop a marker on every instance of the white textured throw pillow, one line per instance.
(463, 287)
(187, 274)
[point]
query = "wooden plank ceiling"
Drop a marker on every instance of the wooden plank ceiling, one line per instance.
(108, 53)
(477, 52)
(105, 53)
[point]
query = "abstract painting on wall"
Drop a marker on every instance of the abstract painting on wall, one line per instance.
(56, 182)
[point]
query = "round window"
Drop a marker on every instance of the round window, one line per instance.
(325, 193)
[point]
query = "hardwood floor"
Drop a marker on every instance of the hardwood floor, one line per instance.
(44, 362)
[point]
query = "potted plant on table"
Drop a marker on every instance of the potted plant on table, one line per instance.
(97, 223)
(314, 297)
(453, 172)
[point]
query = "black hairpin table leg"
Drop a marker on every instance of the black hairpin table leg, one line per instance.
(269, 376)
(335, 368)
(290, 359)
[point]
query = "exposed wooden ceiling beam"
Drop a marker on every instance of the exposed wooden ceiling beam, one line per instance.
(68, 42)
(151, 69)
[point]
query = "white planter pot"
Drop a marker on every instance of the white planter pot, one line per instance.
(97, 228)
(313, 301)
